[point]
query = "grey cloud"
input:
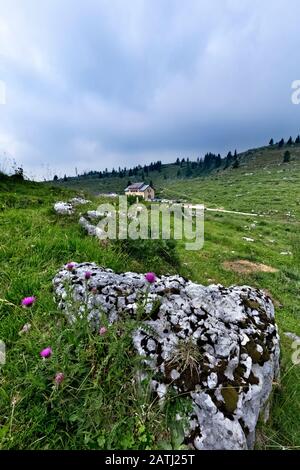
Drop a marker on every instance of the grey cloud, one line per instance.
(107, 83)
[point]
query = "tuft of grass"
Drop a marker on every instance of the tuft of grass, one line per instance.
(187, 356)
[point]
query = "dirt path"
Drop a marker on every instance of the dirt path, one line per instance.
(220, 209)
(231, 212)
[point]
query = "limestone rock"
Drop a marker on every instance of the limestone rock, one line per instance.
(217, 346)
(79, 201)
(67, 208)
(90, 228)
(63, 208)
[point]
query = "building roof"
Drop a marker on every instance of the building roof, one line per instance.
(137, 187)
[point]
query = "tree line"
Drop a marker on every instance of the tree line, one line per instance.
(186, 167)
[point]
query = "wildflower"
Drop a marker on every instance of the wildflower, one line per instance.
(59, 377)
(47, 352)
(28, 301)
(102, 330)
(150, 277)
(94, 290)
(25, 328)
(70, 266)
(87, 275)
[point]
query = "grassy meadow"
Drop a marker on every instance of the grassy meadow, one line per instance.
(99, 405)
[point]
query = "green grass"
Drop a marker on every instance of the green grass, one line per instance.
(98, 405)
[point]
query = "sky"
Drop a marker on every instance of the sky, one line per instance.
(91, 84)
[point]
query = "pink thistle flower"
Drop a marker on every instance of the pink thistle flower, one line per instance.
(94, 290)
(47, 352)
(70, 266)
(87, 275)
(28, 301)
(59, 377)
(102, 330)
(150, 277)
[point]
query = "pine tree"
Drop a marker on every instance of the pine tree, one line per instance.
(281, 143)
(286, 157)
(290, 141)
(188, 171)
(297, 141)
(218, 161)
(271, 142)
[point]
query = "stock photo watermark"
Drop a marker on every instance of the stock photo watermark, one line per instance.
(155, 221)
(2, 92)
(295, 97)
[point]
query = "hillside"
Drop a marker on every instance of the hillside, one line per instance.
(260, 251)
(263, 162)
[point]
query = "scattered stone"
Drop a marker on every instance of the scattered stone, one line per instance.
(217, 346)
(78, 201)
(247, 239)
(292, 336)
(91, 229)
(67, 208)
(63, 208)
(286, 253)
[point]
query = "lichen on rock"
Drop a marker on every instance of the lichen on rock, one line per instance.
(217, 346)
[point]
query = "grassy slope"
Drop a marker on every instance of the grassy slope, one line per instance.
(271, 189)
(35, 242)
(261, 158)
(98, 405)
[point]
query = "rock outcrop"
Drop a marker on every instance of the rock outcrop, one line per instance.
(63, 208)
(67, 208)
(217, 346)
(79, 201)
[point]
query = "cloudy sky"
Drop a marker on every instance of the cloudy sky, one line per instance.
(102, 83)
